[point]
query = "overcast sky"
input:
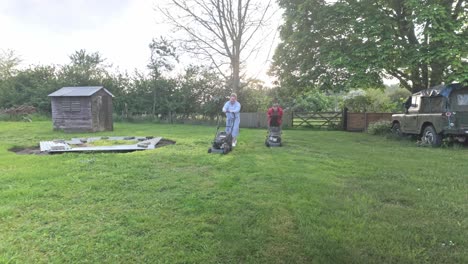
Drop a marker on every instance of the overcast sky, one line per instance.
(48, 31)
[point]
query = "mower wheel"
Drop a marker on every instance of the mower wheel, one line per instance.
(209, 150)
(267, 144)
(225, 149)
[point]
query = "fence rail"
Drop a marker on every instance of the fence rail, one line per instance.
(317, 119)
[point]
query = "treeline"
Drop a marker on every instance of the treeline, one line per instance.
(331, 54)
(196, 92)
(158, 92)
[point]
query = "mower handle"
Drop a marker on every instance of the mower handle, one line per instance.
(232, 114)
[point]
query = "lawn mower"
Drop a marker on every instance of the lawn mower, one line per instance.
(222, 142)
(273, 138)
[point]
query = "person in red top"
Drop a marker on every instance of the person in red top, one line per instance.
(275, 115)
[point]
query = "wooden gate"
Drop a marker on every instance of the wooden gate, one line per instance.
(329, 120)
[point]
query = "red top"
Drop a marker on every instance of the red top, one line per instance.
(278, 115)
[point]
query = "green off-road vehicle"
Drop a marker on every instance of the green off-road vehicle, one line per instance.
(434, 114)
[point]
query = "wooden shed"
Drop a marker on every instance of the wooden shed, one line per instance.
(82, 109)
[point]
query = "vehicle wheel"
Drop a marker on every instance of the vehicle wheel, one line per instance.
(430, 137)
(209, 150)
(396, 130)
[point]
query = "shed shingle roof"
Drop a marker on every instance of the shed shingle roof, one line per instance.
(79, 91)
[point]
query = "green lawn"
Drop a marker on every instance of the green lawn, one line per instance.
(325, 197)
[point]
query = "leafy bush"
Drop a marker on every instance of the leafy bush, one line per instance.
(357, 101)
(397, 97)
(24, 118)
(382, 127)
(313, 101)
(146, 118)
(379, 101)
(375, 100)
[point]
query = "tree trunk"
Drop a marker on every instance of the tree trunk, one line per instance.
(425, 75)
(235, 76)
(416, 80)
(154, 102)
(436, 74)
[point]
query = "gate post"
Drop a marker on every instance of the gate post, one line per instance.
(345, 119)
(292, 119)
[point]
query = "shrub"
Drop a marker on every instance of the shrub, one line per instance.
(146, 118)
(24, 118)
(375, 100)
(357, 101)
(379, 101)
(398, 97)
(382, 127)
(313, 101)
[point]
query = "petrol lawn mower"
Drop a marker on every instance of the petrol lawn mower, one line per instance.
(222, 143)
(273, 138)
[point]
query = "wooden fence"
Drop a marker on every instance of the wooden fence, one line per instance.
(360, 121)
(323, 120)
(247, 120)
(338, 120)
(260, 119)
(329, 120)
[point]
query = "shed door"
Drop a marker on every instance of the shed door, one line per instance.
(101, 114)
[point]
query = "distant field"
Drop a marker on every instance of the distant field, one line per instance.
(325, 197)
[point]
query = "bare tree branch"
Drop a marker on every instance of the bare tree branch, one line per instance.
(458, 9)
(402, 77)
(220, 30)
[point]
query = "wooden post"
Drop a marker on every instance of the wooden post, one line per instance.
(365, 121)
(292, 119)
(345, 119)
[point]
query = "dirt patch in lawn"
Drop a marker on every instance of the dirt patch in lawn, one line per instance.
(164, 142)
(28, 150)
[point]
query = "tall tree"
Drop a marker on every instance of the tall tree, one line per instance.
(349, 43)
(223, 31)
(163, 58)
(8, 62)
(85, 69)
(201, 91)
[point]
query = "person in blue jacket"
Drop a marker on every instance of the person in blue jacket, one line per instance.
(232, 109)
